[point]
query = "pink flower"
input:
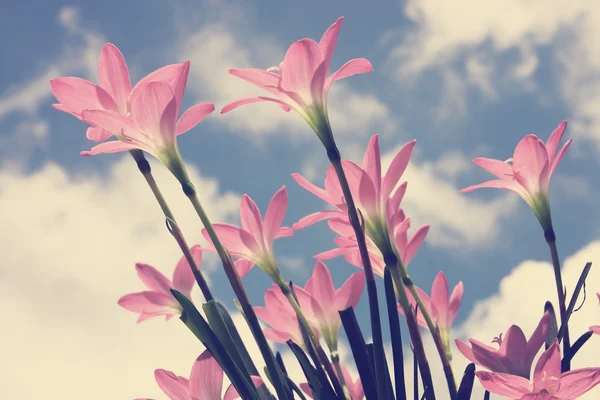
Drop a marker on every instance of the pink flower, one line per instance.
(354, 386)
(348, 246)
(596, 328)
(548, 381)
(159, 300)
(376, 196)
(279, 314)
(515, 354)
(329, 301)
(205, 382)
(441, 307)
(529, 174)
(301, 82)
(143, 118)
(253, 242)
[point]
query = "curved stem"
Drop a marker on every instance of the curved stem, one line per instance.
(551, 240)
(146, 171)
(379, 352)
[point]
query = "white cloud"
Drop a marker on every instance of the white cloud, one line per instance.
(525, 289)
(216, 48)
(70, 243)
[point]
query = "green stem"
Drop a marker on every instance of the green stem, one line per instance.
(146, 171)
(234, 279)
(379, 353)
(335, 359)
(551, 240)
(313, 338)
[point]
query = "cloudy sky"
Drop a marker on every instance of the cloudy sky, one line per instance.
(466, 80)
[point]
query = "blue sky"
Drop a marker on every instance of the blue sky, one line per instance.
(465, 82)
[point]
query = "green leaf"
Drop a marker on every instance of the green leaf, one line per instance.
(320, 391)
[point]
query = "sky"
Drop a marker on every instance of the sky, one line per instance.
(465, 79)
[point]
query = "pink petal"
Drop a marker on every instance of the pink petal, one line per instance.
(206, 379)
(243, 267)
(537, 339)
(513, 349)
(353, 67)
(152, 303)
(367, 195)
(153, 278)
(183, 277)
(530, 164)
(320, 285)
(455, 301)
(193, 115)
(77, 94)
(251, 219)
(574, 384)
(169, 74)
(235, 240)
(487, 356)
(595, 329)
(559, 157)
(328, 41)
(299, 66)
(175, 387)
(439, 297)
(396, 169)
(275, 215)
(503, 384)
(500, 169)
(231, 393)
(97, 134)
(235, 104)
(398, 195)
(554, 141)
(317, 191)
(154, 111)
(414, 244)
(548, 365)
(112, 122)
(465, 350)
(372, 162)
(178, 85)
(259, 77)
(306, 389)
(312, 219)
(500, 184)
(348, 295)
(329, 254)
(113, 75)
(284, 231)
(114, 146)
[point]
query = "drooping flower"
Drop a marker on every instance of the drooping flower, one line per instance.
(253, 242)
(548, 382)
(205, 382)
(377, 196)
(279, 314)
(142, 118)
(441, 306)
(355, 388)
(301, 82)
(515, 354)
(596, 328)
(529, 172)
(159, 300)
(329, 301)
(348, 246)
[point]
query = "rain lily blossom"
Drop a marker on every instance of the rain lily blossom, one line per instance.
(159, 300)
(596, 328)
(281, 316)
(329, 301)
(142, 118)
(300, 82)
(205, 382)
(529, 172)
(253, 242)
(377, 196)
(515, 354)
(440, 306)
(548, 382)
(355, 388)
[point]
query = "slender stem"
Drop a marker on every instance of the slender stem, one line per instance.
(575, 348)
(240, 292)
(379, 352)
(146, 171)
(551, 240)
(335, 358)
(313, 338)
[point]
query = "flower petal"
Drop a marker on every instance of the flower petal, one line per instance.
(238, 242)
(396, 169)
(243, 267)
(193, 115)
(114, 146)
(439, 297)
(112, 122)
(97, 134)
(574, 384)
(320, 285)
(530, 164)
(500, 169)
(275, 215)
(153, 303)
(231, 393)
(559, 157)
(248, 100)
(259, 77)
(206, 378)
(548, 365)
(299, 67)
(251, 219)
(328, 41)
(413, 245)
(554, 141)
(372, 162)
(356, 66)
(153, 278)
(513, 186)
(178, 85)
(78, 94)
(175, 387)
(169, 74)
(317, 191)
(154, 111)
(455, 301)
(503, 384)
(465, 350)
(113, 75)
(537, 339)
(349, 294)
(183, 277)
(313, 218)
